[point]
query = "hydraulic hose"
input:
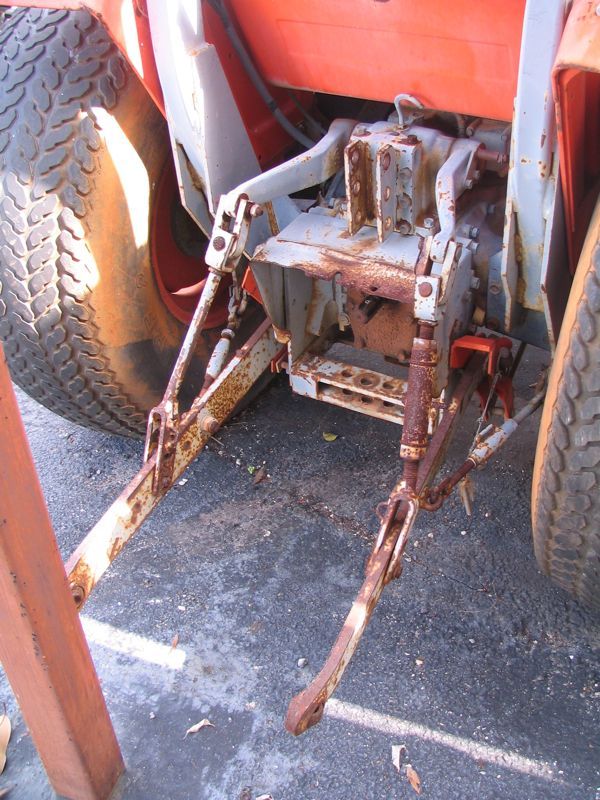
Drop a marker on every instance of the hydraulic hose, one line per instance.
(255, 76)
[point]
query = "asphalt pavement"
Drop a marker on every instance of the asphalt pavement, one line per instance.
(486, 674)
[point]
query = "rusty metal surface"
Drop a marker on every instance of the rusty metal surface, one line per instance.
(381, 326)
(421, 377)
(121, 521)
(384, 563)
(223, 253)
(315, 548)
(320, 246)
(161, 430)
(450, 417)
(344, 385)
(306, 708)
(487, 444)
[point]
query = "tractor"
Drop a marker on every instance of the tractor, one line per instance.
(198, 194)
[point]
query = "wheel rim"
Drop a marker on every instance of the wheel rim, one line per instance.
(177, 248)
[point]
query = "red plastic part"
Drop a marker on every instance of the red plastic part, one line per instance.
(460, 56)
(461, 351)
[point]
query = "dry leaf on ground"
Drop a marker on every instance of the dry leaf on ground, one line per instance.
(398, 755)
(260, 475)
(330, 437)
(204, 723)
(413, 778)
(175, 641)
(5, 731)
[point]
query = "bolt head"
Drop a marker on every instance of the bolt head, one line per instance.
(386, 161)
(429, 222)
(425, 289)
(210, 425)
(219, 243)
(356, 187)
(78, 593)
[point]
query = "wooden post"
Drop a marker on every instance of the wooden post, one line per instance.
(42, 644)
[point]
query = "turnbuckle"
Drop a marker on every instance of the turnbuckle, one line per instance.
(223, 254)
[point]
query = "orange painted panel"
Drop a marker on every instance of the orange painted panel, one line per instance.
(454, 55)
(128, 25)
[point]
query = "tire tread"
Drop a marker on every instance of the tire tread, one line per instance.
(54, 67)
(566, 524)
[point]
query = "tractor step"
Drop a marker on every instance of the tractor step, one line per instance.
(356, 388)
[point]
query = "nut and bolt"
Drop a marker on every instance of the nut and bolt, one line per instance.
(425, 289)
(219, 243)
(356, 187)
(209, 424)
(256, 210)
(473, 232)
(387, 193)
(355, 157)
(404, 227)
(388, 223)
(386, 161)
(429, 222)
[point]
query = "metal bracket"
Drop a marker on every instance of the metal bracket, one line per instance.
(306, 709)
(120, 522)
(456, 174)
(310, 168)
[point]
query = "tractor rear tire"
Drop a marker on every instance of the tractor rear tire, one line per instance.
(566, 479)
(82, 148)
